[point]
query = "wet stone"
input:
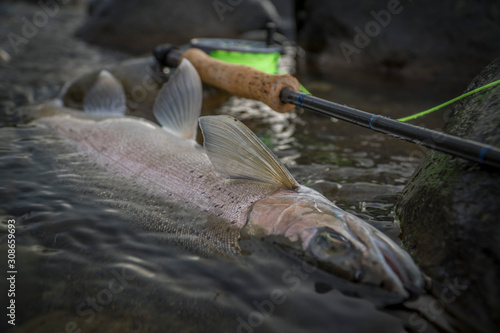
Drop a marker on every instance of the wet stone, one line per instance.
(449, 214)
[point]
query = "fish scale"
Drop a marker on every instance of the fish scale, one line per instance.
(161, 163)
(167, 218)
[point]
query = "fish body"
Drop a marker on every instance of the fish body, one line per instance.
(234, 176)
(161, 162)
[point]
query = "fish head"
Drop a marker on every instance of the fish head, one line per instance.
(337, 241)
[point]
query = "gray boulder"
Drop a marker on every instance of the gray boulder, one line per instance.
(137, 26)
(449, 214)
(413, 39)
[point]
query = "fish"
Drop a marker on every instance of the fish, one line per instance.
(232, 176)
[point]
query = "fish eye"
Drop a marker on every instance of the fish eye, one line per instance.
(336, 254)
(329, 243)
(335, 238)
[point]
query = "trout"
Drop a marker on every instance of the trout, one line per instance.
(233, 176)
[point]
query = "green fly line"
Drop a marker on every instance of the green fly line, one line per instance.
(489, 85)
(264, 62)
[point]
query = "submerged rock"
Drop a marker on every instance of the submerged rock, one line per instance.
(449, 214)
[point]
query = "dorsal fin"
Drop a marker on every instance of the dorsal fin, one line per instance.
(237, 153)
(106, 97)
(178, 104)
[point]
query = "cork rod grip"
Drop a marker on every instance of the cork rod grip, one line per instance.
(243, 81)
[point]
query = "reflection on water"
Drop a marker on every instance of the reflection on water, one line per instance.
(97, 253)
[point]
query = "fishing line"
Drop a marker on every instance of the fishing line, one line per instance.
(423, 113)
(264, 56)
(265, 62)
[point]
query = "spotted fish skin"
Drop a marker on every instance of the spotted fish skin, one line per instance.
(161, 162)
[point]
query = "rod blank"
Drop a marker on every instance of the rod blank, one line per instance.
(467, 149)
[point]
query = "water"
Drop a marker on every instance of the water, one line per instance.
(85, 260)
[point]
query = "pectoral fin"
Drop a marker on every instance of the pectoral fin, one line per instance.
(106, 97)
(237, 153)
(178, 104)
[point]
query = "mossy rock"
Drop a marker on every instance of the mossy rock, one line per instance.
(449, 214)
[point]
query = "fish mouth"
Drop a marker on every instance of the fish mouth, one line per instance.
(363, 254)
(404, 268)
(384, 262)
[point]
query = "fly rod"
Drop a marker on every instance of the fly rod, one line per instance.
(282, 93)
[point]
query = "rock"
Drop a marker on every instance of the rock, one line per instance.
(420, 40)
(449, 214)
(133, 26)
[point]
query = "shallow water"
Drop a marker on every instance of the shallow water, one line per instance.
(86, 261)
(79, 229)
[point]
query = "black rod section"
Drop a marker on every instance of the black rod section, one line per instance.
(467, 149)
